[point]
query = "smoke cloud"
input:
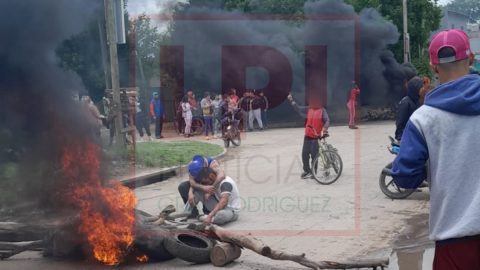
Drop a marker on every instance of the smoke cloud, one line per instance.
(35, 94)
(382, 77)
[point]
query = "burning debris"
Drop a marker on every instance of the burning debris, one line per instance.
(60, 163)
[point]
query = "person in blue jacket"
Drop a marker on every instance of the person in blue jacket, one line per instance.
(440, 144)
(156, 109)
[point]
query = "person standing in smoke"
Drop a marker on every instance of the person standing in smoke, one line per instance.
(141, 121)
(208, 115)
(156, 109)
(93, 116)
(352, 103)
(264, 108)
(255, 110)
(408, 105)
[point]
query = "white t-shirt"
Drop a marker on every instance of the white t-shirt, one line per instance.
(186, 111)
(229, 186)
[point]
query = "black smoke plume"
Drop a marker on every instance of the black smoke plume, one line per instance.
(35, 94)
(382, 78)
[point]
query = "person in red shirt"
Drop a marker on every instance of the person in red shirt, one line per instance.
(317, 117)
(191, 100)
(351, 105)
(233, 94)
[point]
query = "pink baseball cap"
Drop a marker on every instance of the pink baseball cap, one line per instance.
(455, 39)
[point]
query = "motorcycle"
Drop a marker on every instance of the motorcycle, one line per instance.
(385, 183)
(230, 131)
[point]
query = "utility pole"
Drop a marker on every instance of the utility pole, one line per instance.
(406, 37)
(112, 43)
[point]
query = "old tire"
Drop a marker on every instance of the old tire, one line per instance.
(190, 247)
(402, 194)
(154, 248)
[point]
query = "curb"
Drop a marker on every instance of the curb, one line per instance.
(161, 175)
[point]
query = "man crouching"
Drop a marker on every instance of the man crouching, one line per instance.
(225, 205)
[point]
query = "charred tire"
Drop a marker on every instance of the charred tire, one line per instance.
(404, 193)
(154, 248)
(190, 247)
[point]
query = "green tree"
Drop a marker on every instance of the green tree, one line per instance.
(469, 7)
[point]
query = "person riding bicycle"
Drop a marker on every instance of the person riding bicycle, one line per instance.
(317, 117)
(227, 112)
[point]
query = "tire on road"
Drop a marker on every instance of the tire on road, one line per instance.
(190, 247)
(393, 195)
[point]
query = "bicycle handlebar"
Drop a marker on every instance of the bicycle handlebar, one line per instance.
(325, 134)
(387, 171)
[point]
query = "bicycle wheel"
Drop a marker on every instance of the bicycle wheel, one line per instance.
(234, 135)
(327, 167)
(389, 188)
(175, 125)
(226, 143)
(198, 126)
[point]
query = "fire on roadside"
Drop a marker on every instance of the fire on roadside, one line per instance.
(144, 258)
(107, 212)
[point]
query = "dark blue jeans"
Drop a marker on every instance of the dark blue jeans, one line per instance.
(264, 119)
(209, 124)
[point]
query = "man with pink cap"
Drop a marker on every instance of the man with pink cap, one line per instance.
(440, 143)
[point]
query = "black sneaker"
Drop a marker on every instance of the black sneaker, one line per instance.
(306, 175)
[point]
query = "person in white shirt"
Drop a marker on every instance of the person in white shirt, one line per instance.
(224, 205)
(187, 116)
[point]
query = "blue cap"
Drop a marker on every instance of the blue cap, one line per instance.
(155, 93)
(195, 167)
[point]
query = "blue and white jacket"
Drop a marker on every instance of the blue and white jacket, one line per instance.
(441, 143)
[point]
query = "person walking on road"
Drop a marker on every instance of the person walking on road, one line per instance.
(351, 104)
(187, 116)
(141, 120)
(255, 110)
(156, 109)
(208, 114)
(440, 144)
(187, 188)
(317, 117)
(263, 108)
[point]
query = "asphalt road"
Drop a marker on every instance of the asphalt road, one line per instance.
(350, 218)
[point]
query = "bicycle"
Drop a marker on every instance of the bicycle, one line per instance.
(327, 159)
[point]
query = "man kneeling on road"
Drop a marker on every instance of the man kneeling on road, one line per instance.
(225, 205)
(186, 188)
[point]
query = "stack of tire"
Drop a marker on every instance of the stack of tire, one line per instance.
(184, 245)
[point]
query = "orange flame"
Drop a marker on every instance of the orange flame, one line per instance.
(144, 258)
(107, 212)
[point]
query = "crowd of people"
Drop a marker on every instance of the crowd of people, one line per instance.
(214, 109)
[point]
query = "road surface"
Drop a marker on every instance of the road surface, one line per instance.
(350, 218)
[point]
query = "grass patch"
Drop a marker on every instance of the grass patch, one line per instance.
(154, 154)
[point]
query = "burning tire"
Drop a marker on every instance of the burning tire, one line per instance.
(154, 248)
(190, 247)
